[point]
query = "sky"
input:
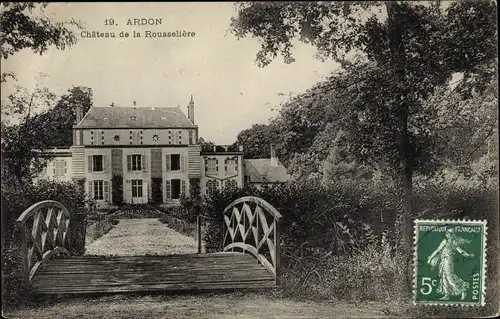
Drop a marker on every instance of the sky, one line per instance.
(230, 91)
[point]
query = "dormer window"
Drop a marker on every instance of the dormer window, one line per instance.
(133, 118)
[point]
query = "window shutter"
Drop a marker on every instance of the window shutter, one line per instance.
(183, 186)
(144, 163)
(106, 190)
(168, 190)
(104, 163)
(183, 164)
(216, 165)
(128, 190)
(91, 189)
(167, 163)
(89, 159)
(129, 163)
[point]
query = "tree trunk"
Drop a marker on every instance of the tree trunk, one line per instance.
(404, 251)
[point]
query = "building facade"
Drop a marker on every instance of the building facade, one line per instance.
(143, 155)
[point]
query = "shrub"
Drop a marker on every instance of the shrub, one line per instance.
(156, 190)
(191, 205)
(17, 196)
(338, 240)
(117, 189)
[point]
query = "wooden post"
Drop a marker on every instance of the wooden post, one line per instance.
(198, 232)
(277, 251)
(24, 257)
(257, 239)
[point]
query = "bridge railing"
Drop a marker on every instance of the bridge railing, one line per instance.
(251, 225)
(43, 231)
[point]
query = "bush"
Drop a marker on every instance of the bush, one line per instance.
(117, 189)
(338, 240)
(156, 190)
(17, 195)
(191, 206)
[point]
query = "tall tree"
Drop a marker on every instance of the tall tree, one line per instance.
(256, 140)
(58, 122)
(397, 54)
(23, 140)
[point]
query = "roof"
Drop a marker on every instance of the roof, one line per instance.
(134, 117)
(261, 171)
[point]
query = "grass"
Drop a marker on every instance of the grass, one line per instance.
(182, 226)
(99, 229)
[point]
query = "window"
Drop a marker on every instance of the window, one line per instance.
(99, 189)
(174, 188)
(180, 137)
(212, 166)
(231, 184)
(231, 166)
(97, 163)
(97, 137)
(136, 163)
(59, 168)
(136, 188)
(175, 162)
(135, 137)
(211, 187)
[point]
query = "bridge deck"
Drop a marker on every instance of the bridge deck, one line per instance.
(103, 274)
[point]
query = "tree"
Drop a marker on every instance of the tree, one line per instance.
(256, 141)
(396, 61)
(37, 124)
(24, 26)
(206, 146)
(58, 122)
(23, 141)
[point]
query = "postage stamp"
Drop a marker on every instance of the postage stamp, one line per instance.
(450, 262)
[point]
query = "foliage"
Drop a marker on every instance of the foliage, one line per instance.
(257, 140)
(17, 195)
(206, 146)
(99, 228)
(393, 65)
(58, 122)
(23, 142)
(182, 226)
(331, 213)
(191, 205)
(24, 25)
(156, 190)
(25, 134)
(117, 189)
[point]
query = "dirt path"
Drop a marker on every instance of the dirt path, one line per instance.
(207, 306)
(142, 236)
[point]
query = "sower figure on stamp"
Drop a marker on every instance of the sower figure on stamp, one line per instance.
(449, 284)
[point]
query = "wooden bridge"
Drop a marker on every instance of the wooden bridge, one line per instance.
(250, 258)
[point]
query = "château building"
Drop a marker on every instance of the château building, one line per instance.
(151, 154)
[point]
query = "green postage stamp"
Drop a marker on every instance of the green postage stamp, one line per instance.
(450, 262)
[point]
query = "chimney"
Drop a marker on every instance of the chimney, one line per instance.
(274, 159)
(191, 110)
(79, 114)
(240, 148)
